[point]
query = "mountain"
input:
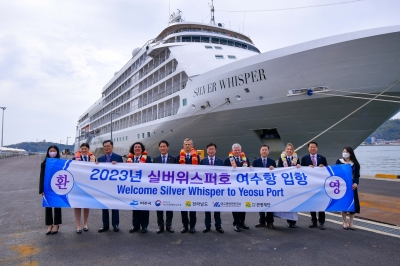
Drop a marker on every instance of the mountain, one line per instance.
(390, 130)
(39, 146)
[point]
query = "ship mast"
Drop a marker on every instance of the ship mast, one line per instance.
(212, 22)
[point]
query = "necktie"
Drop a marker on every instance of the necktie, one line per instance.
(108, 158)
(288, 161)
(187, 157)
(85, 158)
(313, 160)
(211, 161)
(136, 159)
(163, 159)
(264, 163)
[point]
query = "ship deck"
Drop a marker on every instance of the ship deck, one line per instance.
(23, 240)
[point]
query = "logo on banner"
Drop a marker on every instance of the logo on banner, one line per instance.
(335, 187)
(248, 204)
(158, 203)
(188, 203)
(216, 204)
(134, 203)
(62, 182)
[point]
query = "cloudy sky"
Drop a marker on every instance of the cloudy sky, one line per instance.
(56, 55)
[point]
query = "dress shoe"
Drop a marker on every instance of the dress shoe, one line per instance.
(85, 229)
(160, 229)
(313, 225)
(205, 230)
(116, 228)
(291, 225)
(352, 228)
(260, 225)
(79, 232)
(322, 227)
(220, 230)
(244, 226)
(170, 229)
(103, 229)
(56, 231)
(237, 228)
(134, 229)
(192, 230)
(271, 225)
(144, 230)
(49, 231)
(184, 230)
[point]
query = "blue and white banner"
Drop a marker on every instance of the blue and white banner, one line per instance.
(139, 186)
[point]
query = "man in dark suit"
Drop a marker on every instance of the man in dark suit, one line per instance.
(186, 157)
(313, 159)
(164, 157)
(211, 159)
(109, 157)
(265, 162)
(140, 218)
(236, 161)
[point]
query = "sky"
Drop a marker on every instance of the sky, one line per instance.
(56, 56)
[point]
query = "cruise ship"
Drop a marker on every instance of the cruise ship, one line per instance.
(212, 84)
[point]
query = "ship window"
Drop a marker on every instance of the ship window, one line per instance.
(184, 102)
(208, 47)
(186, 38)
(219, 57)
(215, 40)
(138, 136)
(142, 135)
(224, 41)
(231, 57)
(230, 43)
(218, 47)
(196, 39)
(148, 134)
(205, 39)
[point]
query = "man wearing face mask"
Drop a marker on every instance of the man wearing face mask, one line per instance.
(313, 160)
(109, 157)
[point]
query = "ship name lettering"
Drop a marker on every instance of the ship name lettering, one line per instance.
(211, 87)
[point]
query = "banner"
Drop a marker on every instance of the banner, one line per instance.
(174, 187)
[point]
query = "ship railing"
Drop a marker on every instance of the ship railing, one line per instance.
(145, 84)
(168, 112)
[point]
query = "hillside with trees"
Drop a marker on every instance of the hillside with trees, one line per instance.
(39, 146)
(390, 130)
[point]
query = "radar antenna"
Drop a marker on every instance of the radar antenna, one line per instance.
(212, 22)
(175, 17)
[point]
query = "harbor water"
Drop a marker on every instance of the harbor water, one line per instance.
(379, 159)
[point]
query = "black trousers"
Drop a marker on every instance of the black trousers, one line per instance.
(140, 218)
(160, 218)
(49, 216)
(321, 217)
(269, 217)
(185, 219)
(217, 219)
(106, 218)
(238, 218)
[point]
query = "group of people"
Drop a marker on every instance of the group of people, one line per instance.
(188, 155)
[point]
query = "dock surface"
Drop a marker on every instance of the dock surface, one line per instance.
(376, 241)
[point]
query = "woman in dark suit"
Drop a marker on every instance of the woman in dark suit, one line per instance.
(348, 157)
(52, 225)
(288, 159)
(84, 155)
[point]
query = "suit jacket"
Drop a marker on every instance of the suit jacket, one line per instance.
(114, 158)
(227, 162)
(187, 161)
(259, 163)
(170, 159)
(306, 160)
(217, 161)
(280, 162)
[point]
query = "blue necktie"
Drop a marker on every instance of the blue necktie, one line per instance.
(163, 159)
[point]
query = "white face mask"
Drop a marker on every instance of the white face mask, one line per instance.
(345, 155)
(52, 154)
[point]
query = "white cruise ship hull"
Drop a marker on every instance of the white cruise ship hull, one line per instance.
(362, 62)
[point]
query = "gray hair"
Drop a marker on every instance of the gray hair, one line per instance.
(188, 139)
(236, 145)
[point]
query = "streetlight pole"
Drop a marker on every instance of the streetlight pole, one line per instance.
(112, 123)
(2, 126)
(67, 140)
